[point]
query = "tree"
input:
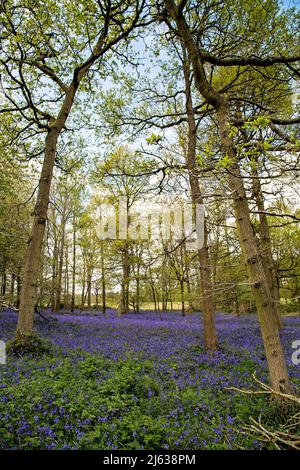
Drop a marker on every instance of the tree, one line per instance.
(208, 306)
(16, 206)
(32, 56)
(119, 176)
(273, 347)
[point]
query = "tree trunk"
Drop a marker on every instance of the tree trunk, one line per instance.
(124, 295)
(74, 265)
(12, 288)
(153, 295)
(97, 298)
(83, 281)
(164, 285)
(137, 300)
(54, 267)
(152, 286)
(208, 307)
(18, 279)
(60, 263)
(34, 250)
(103, 279)
(122, 303)
(3, 287)
(265, 248)
(182, 297)
(33, 255)
(171, 297)
(67, 286)
(263, 299)
(127, 274)
(89, 289)
(188, 281)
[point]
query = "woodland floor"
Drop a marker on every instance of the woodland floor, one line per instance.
(136, 382)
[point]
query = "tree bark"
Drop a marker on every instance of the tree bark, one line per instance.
(33, 255)
(60, 262)
(208, 305)
(138, 289)
(54, 265)
(18, 279)
(74, 265)
(182, 297)
(83, 295)
(164, 285)
(103, 281)
(124, 294)
(263, 299)
(191, 307)
(3, 286)
(67, 286)
(265, 247)
(12, 288)
(89, 289)
(153, 290)
(171, 296)
(97, 298)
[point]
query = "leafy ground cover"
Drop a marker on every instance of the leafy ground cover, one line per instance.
(136, 382)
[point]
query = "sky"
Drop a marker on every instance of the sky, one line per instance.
(290, 3)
